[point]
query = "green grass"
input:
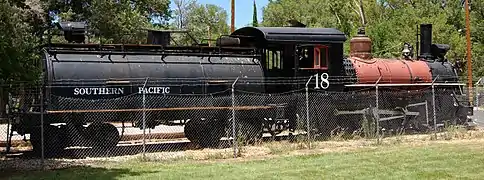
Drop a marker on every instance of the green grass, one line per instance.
(456, 160)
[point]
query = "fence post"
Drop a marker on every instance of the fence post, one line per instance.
(377, 111)
(433, 104)
(477, 93)
(42, 124)
(5, 108)
(307, 112)
(144, 119)
(427, 112)
(3, 102)
(9, 138)
(234, 140)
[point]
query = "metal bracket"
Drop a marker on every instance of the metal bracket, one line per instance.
(396, 114)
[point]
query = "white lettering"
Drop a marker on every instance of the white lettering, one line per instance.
(120, 91)
(76, 91)
(96, 91)
(109, 91)
(102, 91)
(154, 90)
(322, 81)
(82, 91)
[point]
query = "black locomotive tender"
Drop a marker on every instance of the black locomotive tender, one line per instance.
(78, 75)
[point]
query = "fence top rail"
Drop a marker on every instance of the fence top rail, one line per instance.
(394, 85)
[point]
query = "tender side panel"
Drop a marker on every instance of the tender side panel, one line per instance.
(78, 69)
(391, 71)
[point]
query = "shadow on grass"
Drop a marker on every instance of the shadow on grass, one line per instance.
(54, 169)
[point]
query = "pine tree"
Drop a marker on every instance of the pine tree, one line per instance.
(255, 23)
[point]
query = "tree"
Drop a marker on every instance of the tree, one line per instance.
(19, 45)
(255, 22)
(477, 38)
(121, 21)
(182, 7)
(203, 22)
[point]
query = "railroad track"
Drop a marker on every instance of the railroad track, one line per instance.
(131, 147)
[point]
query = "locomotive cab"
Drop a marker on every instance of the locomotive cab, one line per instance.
(295, 52)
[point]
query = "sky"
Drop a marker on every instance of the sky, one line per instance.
(243, 10)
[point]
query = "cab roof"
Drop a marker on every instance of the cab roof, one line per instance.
(291, 35)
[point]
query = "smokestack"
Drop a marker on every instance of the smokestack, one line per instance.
(425, 41)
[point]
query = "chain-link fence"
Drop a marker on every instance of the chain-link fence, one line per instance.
(66, 120)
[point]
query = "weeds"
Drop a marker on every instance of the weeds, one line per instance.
(340, 140)
(278, 148)
(452, 132)
(338, 134)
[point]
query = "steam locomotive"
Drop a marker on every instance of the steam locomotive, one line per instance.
(251, 59)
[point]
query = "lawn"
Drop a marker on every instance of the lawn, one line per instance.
(455, 159)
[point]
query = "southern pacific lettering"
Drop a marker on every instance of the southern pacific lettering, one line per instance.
(98, 91)
(119, 91)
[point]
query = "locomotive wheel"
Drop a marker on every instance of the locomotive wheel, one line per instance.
(53, 141)
(102, 135)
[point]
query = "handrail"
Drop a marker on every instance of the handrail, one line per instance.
(214, 54)
(124, 47)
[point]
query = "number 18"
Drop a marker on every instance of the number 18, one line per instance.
(322, 81)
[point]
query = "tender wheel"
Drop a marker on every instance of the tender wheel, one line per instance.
(205, 133)
(102, 135)
(192, 131)
(53, 141)
(214, 131)
(249, 131)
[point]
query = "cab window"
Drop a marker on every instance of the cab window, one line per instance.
(314, 57)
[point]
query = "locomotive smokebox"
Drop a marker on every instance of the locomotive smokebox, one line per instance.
(360, 45)
(425, 41)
